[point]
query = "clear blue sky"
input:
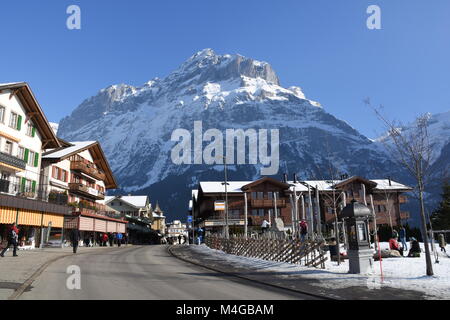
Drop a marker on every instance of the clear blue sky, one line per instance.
(323, 46)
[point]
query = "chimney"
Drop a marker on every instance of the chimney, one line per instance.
(295, 178)
(390, 181)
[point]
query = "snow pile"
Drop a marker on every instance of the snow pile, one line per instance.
(402, 273)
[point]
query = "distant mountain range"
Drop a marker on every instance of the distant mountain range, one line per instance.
(135, 124)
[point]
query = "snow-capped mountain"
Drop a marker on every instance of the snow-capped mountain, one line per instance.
(135, 124)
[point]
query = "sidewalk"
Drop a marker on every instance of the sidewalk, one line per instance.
(294, 280)
(15, 271)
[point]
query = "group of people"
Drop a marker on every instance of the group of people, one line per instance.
(104, 239)
(414, 250)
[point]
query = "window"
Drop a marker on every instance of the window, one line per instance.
(2, 114)
(270, 195)
(260, 195)
(8, 147)
(30, 129)
(253, 195)
(254, 212)
(31, 157)
(21, 153)
(261, 212)
(15, 121)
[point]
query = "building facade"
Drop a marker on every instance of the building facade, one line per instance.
(24, 134)
(293, 201)
(78, 174)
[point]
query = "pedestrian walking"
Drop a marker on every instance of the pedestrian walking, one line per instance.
(119, 239)
(105, 239)
(75, 239)
(442, 243)
(179, 239)
(111, 239)
(303, 230)
(265, 226)
(13, 237)
(402, 237)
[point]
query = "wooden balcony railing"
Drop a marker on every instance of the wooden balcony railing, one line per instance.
(85, 190)
(88, 169)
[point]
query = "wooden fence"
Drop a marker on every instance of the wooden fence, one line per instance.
(307, 253)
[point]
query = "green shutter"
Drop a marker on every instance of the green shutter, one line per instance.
(24, 182)
(19, 123)
(26, 155)
(36, 159)
(33, 132)
(33, 186)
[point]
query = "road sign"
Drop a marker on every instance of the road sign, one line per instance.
(189, 219)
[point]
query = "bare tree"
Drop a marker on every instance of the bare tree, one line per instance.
(412, 150)
(333, 198)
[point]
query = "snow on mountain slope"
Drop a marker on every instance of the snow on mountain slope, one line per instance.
(135, 124)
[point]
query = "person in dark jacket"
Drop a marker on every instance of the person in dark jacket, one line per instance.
(442, 243)
(13, 237)
(75, 239)
(415, 250)
(111, 239)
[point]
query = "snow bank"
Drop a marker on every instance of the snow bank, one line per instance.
(401, 273)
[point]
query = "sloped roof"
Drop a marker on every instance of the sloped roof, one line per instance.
(73, 148)
(383, 184)
(34, 112)
(219, 186)
(322, 185)
(299, 187)
(138, 202)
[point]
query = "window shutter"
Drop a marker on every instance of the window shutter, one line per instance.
(19, 123)
(33, 186)
(33, 132)
(22, 187)
(36, 159)
(26, 155)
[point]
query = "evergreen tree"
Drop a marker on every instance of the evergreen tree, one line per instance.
(441, 217)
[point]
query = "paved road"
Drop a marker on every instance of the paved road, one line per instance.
(145, 273)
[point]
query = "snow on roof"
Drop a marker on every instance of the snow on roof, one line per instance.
(136, 201)
(80, 145)
(195, 193)
(322, 185)
(384, 185)
(219, 186)
(299, 187)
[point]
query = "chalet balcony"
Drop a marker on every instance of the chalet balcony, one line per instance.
(88, 169)
(263, 203)
(12, 161)
(86, 191)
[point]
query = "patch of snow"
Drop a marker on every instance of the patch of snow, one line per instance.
(402, 273)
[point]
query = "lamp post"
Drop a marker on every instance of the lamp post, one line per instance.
(227, 231)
